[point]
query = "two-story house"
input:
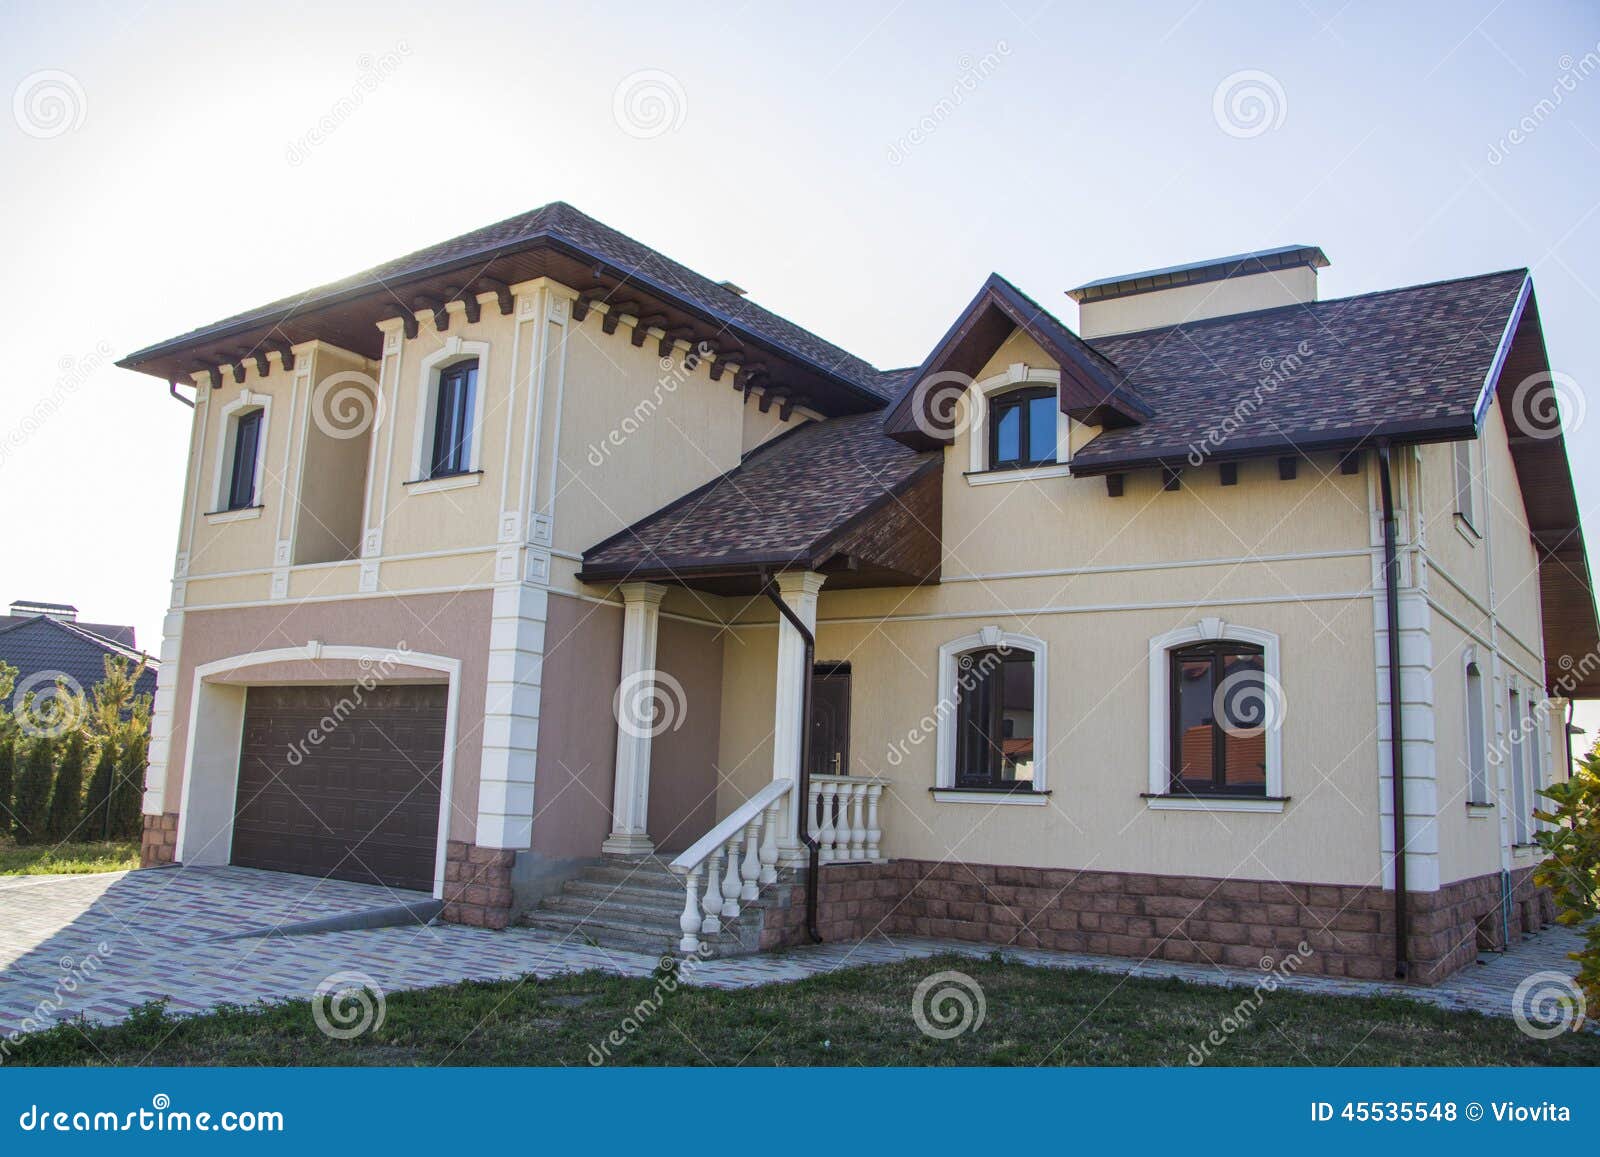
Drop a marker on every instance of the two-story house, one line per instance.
(541, 572)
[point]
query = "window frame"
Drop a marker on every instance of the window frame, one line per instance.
(1159, 796)
(1217, 652)
(453, 351)
(242, 486)
(946, 715)
(229, 417)
(976, 402)
(1464, 473)
(1021, 399)
(1521, 806)
(458, 383)
(1477, 733)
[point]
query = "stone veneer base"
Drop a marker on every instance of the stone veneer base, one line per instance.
(1243, 923)
(477, 885)
(159, 843)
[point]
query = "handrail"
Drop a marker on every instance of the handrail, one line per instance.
(740, 818)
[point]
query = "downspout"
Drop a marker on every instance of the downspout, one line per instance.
(1397, 763)
(802, 785)
(172, 388)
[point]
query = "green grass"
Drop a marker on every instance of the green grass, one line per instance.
(855, 1017)
(60, 859)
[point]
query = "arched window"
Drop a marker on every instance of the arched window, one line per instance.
(1477, 751)
(1022, 428)
(448, 448)
(992, 715)
(452, 421)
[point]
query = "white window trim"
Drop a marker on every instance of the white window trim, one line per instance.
(1018, 374)
(1207, 630)
(945, 717)
(454, 349)
(1469, 657)
(230, 414)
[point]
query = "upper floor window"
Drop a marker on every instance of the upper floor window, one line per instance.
(246, 451)
(1022, 428)
(453, 418)
(1522, 808)
(1466, 482)
(1218, 697)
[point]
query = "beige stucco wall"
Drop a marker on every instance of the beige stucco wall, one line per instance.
(1194, 302)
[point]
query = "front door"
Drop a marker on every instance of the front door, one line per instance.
(830, 719)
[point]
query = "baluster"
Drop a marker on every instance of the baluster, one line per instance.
(730, 882)
(858, 823)
(826, 832)
(751, 870)
(813, 805)
(769, 844)
(874, 834)
(690, 920)
(711, 902)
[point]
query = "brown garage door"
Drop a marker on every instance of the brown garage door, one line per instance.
(361, 803)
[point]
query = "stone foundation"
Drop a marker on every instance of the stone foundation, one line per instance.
(477, 885)
(1243, 923)
(159, 843)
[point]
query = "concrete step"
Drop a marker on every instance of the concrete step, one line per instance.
(645, 875)
(627, 935)
(599, 890)
(662, 916)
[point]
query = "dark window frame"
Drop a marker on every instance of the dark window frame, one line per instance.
(455, 404)
(1021, 400)
(1218, 653)
(246, 457)
(990, 697)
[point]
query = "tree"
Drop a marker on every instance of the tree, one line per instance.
(127, 797)
(66, 800)
(31, 811)
(1572, 871)
(8, 747)
(102, 785)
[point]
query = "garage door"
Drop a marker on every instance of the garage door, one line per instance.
(361, 802)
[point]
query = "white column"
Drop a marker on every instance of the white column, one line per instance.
(799, 590)
(635, 699)
(511, 716)
(161, 714)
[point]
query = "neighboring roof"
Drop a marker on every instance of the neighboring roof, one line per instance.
(116, 633)
(1196, 272)
(790, 502)
(41, 646)
(36, 604)
(1093, 388)
(559, 226)
(1406, 364)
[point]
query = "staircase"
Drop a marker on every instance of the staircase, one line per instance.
(635, 903)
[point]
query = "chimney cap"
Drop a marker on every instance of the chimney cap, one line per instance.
(1195, 272)
(732, 288)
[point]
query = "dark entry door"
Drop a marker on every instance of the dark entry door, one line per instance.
(830, 719)
(341, 782)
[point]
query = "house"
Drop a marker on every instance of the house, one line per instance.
(46, 644)
(541, 572)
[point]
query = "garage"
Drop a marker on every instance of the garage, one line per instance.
(341, 782)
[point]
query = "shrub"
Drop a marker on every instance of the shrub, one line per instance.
(127, 797)
(66, 799)
(8, 775)
(31, 811)
(1572, 872)
(97, 802)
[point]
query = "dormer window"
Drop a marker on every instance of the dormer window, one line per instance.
(452, 423)
(1022, 428)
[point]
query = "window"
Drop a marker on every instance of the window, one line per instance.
(1477, 763)
(1219, 717)
(246, 449)
(993, 742)
(452, 422)
(994, 719)
(1534, 733)
(1466, 504)
(1022, 428)
(1519, 784)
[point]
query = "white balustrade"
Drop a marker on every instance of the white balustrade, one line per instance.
(734, 858)
(843, 813)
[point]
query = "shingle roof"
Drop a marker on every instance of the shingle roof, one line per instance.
(37, 645)
(560, 221)
(780, 506)
(1407, 363)
(122, 636)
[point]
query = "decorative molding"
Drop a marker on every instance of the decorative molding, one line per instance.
(446, 482)
(224, 464)
(536, 565)
(452, 349)
(243, 514)
(947, 709)
(1178, 803)
(993, 798)
(510, 525)
(282, 553)
(280, 584)
(1016, 375)
(369, 577)
(372, 542)
(541, 528)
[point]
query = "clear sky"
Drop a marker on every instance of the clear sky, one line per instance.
(857, 167)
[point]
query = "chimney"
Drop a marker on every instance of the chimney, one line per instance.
(1243, 283)
(23, 608)
(737, 290)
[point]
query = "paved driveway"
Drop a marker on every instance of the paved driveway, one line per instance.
(100, 945)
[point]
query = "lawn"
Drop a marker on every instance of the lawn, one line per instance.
(859, 1016)
(61, 859)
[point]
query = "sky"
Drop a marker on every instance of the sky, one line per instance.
(859, 168)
